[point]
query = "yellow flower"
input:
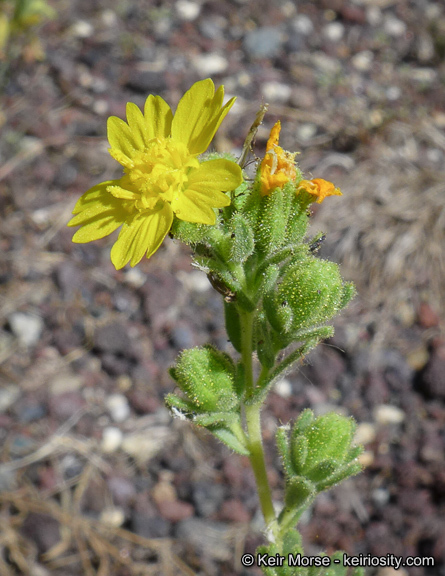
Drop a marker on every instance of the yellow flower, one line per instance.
(162, 174)
(320, 188)
(278, 165)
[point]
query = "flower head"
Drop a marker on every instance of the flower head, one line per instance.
(278, 165)
(162, 177)
(320, 188)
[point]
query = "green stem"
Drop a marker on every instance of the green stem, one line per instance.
(253, 425)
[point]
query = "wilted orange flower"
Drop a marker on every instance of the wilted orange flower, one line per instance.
(320, 188)
(278, 165)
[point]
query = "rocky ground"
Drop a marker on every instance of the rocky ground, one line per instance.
(96, 478)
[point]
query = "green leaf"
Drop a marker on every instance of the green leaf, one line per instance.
(282, 441)
(230, 440)
(345, 472)
(233, 325)
(299, 452)
(241, 234)
(322, 471)
(298, 492)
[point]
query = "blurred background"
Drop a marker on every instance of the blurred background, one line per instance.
(95, 476)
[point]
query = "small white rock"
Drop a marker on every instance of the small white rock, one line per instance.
(393, 93)
(334, 31)
(109, 18)
(8, 395)
(134, 277)
(303, 25)
(394, 27)
(306, 131)
(111, 439)
(276, 92)
(374, 15)
(65, 382)
(82, 29)
(195, 281)
(283, 388)
(365, 433)
(101, 107)
(187, 10)
(363, 60)
(145, 445)
(112, 516)
(118, 407)
(386, 414)
(26, 327)
(209, 64)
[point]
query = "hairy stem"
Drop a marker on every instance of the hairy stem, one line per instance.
(253, 425)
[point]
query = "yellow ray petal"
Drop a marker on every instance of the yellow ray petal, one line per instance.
(158, 117)
(191, 207)
(122, 142)
(219, 174)
(141, 234)
(199, 115)
(98, 213)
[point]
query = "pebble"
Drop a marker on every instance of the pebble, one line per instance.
(334, 31)
(65, 382)
(145, 445)
(381, 496)
(8, 395)
(82, 29)
(195, 281)
(112, 338)
(365, 433)
(30, 410)
(118, 407)
(175, 511)
(283, 388)
(433, 377)
(209, 538)
(149, 526)
(386, 414)
(26, 327)
(111, 439)
(122, 489)
(210, 64)
(363, 60)
(187, 11)
(394, 27)
(62, 406)
(306, 131)
(303, 25)
(183, 337)
(112, 516)
(393, 93)
(276, 92)
(135, 277)
(207, 497)
(264, 42)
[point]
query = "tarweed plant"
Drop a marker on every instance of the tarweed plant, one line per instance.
(250, 238)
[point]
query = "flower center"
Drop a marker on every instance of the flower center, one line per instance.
(160, 171)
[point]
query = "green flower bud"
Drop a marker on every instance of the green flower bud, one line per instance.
(320, 448)
(310, 293)
(207, 376)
